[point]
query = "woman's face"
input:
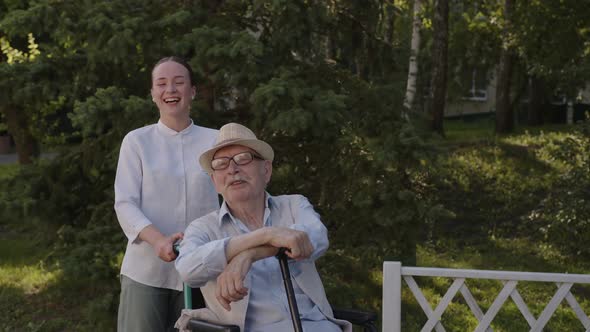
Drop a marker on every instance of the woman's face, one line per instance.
(172, 90)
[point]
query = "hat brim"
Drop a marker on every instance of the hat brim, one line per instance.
(261, 147)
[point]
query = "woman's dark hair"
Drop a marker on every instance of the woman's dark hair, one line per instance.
(178, 60)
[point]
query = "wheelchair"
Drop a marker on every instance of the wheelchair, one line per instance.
(193, 299)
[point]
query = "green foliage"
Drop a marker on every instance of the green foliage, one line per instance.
(318, 109)
(109, 110)
(7, 171)
(548, 26)
(76, 187)
(563, 217)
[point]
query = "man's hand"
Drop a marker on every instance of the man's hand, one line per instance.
(297, 242)
(230, 283)
(163, 246)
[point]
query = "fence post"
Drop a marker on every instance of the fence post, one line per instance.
(392, 297)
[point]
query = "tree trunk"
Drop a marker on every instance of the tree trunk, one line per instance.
(504, 113)
(537, 101)
(414, 49)
(359, 60)
(389, 23)
(439, 64)
(27, 147)
(327, 46)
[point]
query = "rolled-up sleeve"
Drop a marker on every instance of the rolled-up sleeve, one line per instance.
(308, 220)
(128, 183)
(200, 259)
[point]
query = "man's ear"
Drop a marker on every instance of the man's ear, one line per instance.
(267, 170)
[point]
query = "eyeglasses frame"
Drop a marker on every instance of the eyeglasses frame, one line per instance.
(252, 154)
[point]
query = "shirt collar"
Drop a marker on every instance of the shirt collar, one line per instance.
(225, 215)
(171, 132)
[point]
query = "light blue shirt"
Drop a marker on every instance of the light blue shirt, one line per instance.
(267, 310)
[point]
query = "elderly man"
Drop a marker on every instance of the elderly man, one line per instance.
(230, 253)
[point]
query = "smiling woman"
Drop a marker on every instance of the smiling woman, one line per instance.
(159, 189)
(172, 91)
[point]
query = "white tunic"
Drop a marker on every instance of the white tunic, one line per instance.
(159, 181)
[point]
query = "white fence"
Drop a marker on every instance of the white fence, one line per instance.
(393, 273)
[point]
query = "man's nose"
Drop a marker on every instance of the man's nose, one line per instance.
(233, 166)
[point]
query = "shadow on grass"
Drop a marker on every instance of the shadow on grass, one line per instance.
(36, 296)
(490, 189)
(63, 305)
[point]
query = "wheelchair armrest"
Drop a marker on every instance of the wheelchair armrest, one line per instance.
(357, 317)
(361, 318)
(204, 326)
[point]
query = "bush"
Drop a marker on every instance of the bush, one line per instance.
(487, 186)
(563, 218)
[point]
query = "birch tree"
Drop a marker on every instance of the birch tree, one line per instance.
(414, 49)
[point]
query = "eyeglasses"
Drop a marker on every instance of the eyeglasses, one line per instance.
(242, 158)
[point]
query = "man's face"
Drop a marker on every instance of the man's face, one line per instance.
(241, 183)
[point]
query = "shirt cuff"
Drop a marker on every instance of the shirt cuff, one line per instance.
(136, 228)
(216, 261)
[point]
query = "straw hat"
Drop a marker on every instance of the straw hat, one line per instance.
(235, 134)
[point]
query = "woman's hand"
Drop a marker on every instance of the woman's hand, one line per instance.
(161, 243)
(164, 246)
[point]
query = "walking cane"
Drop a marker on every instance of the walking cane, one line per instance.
(283, 258)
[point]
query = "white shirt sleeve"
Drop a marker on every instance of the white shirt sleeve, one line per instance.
(128, 191)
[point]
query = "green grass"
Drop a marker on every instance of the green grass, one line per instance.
(478, 129)
(35, 295)
(24, 279)
(493, 184)
(518, 254)
(8, 170)
(463, 131)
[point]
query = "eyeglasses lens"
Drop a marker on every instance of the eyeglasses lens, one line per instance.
(241, 159)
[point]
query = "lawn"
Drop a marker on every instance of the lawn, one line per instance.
(494, 186)
(35, 295)
(8, 170)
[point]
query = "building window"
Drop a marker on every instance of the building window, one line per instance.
(475, 84)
